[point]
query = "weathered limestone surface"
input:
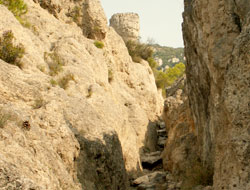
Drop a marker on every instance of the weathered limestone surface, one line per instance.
(217, 46)
(86, 135)
(127, 25)
(180, 153)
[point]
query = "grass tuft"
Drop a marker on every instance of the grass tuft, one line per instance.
(54, 62)
(64, 81)
(99, 44)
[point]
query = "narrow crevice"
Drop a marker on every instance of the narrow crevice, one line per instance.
(237, 21)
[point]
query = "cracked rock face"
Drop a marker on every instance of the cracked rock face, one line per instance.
(127, 25)
(217, 46)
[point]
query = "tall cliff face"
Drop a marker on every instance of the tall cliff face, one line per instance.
(78, 127)
(127, 25)
(217, 46)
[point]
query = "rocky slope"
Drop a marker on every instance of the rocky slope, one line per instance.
(84, 134)
(217, 46)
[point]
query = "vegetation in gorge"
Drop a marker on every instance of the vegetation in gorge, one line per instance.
(167, 54)
(63, 82)
(139, 51)
(18, 8)
(163, 79)
(166, 78)
(10, 52)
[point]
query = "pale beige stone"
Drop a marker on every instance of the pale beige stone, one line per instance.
(85, 135)
(127, 25)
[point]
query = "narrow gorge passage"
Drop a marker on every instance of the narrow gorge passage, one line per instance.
(153, 176)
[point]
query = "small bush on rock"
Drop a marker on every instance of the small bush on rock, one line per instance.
(152, 62)
(139, 51)
(9, 52)
(17, 7)
(99, 44)
(64, 81)
(55, 63)
(53, 82)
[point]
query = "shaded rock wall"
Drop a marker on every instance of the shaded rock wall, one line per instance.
(217, 46)
(180, 155)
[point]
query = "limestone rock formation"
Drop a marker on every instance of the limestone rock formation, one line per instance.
(94, 20)
(217, 46)
(82, 126)
(127, 25)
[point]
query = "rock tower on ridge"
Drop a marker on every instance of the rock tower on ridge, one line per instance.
(127, 25)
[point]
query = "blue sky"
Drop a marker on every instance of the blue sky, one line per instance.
(159, 19)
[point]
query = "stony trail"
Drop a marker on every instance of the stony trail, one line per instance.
(153, 176)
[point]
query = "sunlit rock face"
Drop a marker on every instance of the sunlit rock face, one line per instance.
(84, 132)
(217, 46)
(127, 25)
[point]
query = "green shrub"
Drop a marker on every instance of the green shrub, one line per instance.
(17, 7)
(54, 62)
(99, 44)
(64, 81)
(152, 62)
(167, 78)
(9, 52)
(53, 82)
(139, 51)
